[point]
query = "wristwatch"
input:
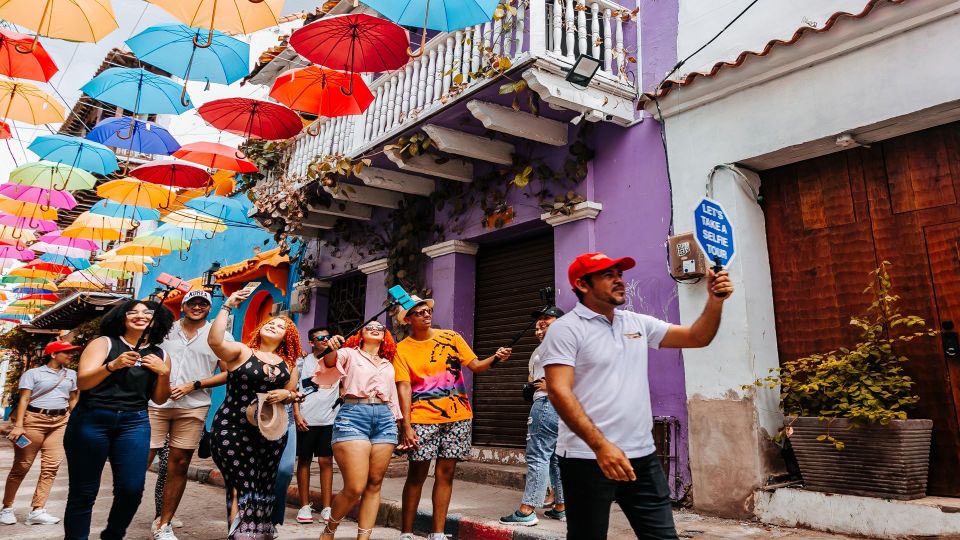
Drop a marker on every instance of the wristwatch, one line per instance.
(197, 385)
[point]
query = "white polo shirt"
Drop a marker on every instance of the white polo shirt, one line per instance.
(610, 376)
(57, 386)
(191, 359)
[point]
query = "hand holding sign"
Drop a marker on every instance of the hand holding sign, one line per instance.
(714, 233)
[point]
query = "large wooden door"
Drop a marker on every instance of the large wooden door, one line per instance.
(833, 219)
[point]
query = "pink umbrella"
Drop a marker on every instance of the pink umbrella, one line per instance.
(55, 239)
(44, 197)
(172, 173)
(19, 253)
(36, 224)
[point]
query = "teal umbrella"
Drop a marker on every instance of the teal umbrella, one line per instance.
(441, 15)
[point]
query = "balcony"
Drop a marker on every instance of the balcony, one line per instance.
(538, 41)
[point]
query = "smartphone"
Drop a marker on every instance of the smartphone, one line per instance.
(252, 286)
(22, 441)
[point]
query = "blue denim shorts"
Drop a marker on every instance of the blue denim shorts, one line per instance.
(365, 422)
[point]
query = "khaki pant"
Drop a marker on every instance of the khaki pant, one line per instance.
(46, 437)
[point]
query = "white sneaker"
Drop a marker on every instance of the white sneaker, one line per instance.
(437, 536)
(177, 524)
(41, 517)
(326, 513)
(7, 517)
(165, 533)
(305, 515)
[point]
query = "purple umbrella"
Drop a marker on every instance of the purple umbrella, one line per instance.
(55, 239)
(40, 225)
(16, 252)
(46, 198)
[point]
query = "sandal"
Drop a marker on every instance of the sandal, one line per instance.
(327, 530)
(362, 532)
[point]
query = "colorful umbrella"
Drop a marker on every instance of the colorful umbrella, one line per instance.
(137, 90)
(39, 225)
(84, 280)
(60, 250)
(5, 132)
(215, 156)
(44, 197)
(57, 239)
(33, 273)
(233, 16)
(441, 15)
(26, 103)
(126, 263)
(6, 280)
(44, 266)
(50, 175)
(172, 173)
(27, 210)
(101, 272)
(16, 252)
(110, 208)
(322, 91)
(71, 20)
(134, 193)
(12, 235)
(139, 251)
(35, 64)
(355, 43)
(172, 48)
(172, 241)
(75, 263)
(76, 152)
(96, 227)
(35, 289)
(223, 208)
(251, 118)
(191, 219)
(147, 137)
(33, 304)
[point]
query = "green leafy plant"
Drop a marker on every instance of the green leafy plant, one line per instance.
(865, 383)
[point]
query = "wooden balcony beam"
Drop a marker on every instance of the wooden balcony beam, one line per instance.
(367, 195)
(519, 123)
(434, 165)
(397, 181)
(468, 145)
(344, 209)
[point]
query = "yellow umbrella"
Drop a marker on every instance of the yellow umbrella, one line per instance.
(33, 273)
(135, 193)
(124, 264)
(102, 273)
(36, 303)
(71, 20)
(97, 227)
(21, 310)
(26, 209)
(85, 280)
(191, 219)
(27, 103)
(138, 250)
(15, 235)
(231, 16)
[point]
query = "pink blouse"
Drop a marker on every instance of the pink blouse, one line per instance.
(361, 377)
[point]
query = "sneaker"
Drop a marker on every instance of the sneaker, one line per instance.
(165, 533)
(177, 524)
(41, 517)
(7, 517)
(559, 515)
(305, 515)
(326, 514)
(436, 536)
(407, 536)
(519, 518)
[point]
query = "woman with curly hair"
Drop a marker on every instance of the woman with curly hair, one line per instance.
(265, 364)
(365, 430)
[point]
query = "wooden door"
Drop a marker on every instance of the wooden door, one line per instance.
(833, 219)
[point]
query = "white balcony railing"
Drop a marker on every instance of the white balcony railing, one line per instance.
(552, 29)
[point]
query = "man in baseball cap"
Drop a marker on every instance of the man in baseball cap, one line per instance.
(605, 437)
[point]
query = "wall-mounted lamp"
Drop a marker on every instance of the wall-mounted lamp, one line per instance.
(209, 279)
(583, 70)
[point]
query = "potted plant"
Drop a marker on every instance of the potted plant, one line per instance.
(846, 409)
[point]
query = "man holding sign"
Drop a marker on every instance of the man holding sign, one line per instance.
(595, 359)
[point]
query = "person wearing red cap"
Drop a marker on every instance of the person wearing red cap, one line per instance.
(595, 359)
(47, 394)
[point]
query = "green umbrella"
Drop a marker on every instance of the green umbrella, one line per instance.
(50, 175)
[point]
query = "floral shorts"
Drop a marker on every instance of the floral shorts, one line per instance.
(451, 440)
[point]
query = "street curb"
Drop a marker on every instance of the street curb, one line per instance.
(458, 525)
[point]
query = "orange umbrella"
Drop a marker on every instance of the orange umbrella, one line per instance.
(322, 91)
(215, 156)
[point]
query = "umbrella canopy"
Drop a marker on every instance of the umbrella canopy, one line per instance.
(6, 280)
(101, 272)
(172, 173)
(322, 91)
(137, 250)
(33, 273)
(5, 132)
(107, 207)
(39, 225)
(27, 210)
(25, 102)
(191, 219)
(50, 175)
(134, 193)
(126, 264)
(252, 118)
(35, 289)
(96, 227)
(233, 16)
(16, 252)
(215, 156)
(35, 64)
(33, 304)
(146, 138)
(441, 15)
(137, 90)
(171, 48)
(354, 43)
(76, 152)
(12, 235)
(174, 241)
(44, 266)
(75, 263)
(216, 207)
(37, 195)
(84, 280)
(57, 239)
(71, 20)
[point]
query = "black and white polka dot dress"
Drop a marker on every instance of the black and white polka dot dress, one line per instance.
(247, 461)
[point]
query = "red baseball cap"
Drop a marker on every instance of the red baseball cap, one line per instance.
(58, 346)
(589, 263)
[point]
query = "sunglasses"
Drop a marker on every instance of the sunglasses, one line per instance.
(375, 327)
(422, 312)
(321, 339)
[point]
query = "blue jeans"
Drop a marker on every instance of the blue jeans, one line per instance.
(94, 435)
(365, 422)
(542, 461)
(285, 470)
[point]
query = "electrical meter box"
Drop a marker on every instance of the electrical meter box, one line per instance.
(686, 259)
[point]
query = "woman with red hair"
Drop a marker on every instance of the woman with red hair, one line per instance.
(248, 459)
(365, 430)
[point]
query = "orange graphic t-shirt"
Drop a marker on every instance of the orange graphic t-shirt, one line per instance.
(434, 369)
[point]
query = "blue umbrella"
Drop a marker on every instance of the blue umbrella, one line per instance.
(29, 290)
(223, 208)
(137, 90)
(442, 15)
(76, 263)
(81, 153)
(105, 207)
(172, 48)
(147, 138)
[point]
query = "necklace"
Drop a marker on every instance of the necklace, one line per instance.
(270, 368)
(373, 358)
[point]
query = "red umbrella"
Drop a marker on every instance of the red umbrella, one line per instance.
(44, 266)
(172, 173)
(353, 43)
(252, 118)
(5, 132)
(322, 91)
(216, 156)
(35, 65)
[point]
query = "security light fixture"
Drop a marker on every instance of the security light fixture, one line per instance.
(583, 70)
(209, 279)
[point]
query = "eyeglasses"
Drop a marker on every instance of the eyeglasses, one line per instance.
(422, 312)
(374, 327)
(321, 338)
(144, 313)
(198, 304)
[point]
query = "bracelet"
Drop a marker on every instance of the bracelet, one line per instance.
(107, 367)
(228, 309)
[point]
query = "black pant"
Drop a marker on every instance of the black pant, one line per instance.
(645, 501)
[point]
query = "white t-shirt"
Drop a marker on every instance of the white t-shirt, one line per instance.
(191, 359)
(536, 369)
(317, 408)
(610, 376)
(40, 379)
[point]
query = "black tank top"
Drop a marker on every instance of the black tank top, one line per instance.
(126, 389)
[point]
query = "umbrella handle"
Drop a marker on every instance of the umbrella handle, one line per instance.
(180, 255)
(130, 130)
(183, 96)
(423, 43)
(311, 132)
(210, 236)
(33, 45)
(125, 168)
(255, 1)
(197, 44)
